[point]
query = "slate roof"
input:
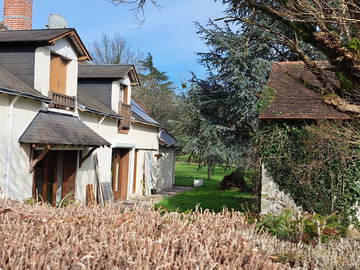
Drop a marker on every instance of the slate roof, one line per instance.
(32, 35)
(89, 103)
(107, 71)
(167, 139)
(60, 129)
(293, 100)
(140, 115)
(11, 84)
(46, 36)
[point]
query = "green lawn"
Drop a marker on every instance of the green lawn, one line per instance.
(207, 197)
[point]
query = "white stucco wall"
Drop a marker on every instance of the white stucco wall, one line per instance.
(165, 168)
(42, 66)
(19, 179)
(42, 70)
(115, 95)
(140, 137)
(4, 110)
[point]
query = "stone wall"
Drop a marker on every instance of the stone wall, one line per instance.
(273, 200)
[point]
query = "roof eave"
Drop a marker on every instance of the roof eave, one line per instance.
(84, 54)
(87, 109)
(21, 94)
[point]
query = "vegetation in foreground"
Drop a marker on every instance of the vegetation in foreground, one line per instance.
(76, 237)
(208, 196)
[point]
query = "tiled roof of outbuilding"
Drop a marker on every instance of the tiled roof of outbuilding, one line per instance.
(293, 100)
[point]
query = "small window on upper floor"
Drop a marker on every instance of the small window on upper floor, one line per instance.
(58, 70)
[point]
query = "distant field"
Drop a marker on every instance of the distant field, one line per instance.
(207, 197)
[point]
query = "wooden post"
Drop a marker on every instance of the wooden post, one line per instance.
(90, 197)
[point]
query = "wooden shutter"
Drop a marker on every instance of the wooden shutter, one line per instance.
(58, 70)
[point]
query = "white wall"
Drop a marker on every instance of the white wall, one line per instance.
(19, 179)
(4, 110)
(42, 67)
(115, 96)
(165, 167)
(140, 137)
(42, 70)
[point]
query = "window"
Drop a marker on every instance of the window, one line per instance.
(58, 70)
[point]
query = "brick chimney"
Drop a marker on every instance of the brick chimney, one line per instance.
(18, 14)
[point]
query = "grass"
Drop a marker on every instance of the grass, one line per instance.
(208, 196)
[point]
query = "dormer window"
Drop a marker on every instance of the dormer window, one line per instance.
(58, 83)
(124, 111)
(58, 71)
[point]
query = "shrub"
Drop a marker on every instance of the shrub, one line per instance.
(304, 228)
(317, 163)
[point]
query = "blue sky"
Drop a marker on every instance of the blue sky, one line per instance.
(168, 34)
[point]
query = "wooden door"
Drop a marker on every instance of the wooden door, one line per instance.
(120, 173)
(58, 70)
(69, 173)
(47, 172)
(135, 170)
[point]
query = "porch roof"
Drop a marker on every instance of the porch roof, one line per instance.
(60, 129)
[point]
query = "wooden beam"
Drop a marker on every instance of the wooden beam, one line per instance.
(90, 195)
(39, 158)
(87, 156)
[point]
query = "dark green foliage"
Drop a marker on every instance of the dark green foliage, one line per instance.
(156, 93)
(219, 113)
(345, 83)
(304, 228)
(316, 163)
(266, 98)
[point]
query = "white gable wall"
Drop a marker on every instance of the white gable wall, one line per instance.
(42, 67)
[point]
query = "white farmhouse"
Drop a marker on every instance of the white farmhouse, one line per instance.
(67, 125)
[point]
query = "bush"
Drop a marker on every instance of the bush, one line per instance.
(304, 228)
(317, 163)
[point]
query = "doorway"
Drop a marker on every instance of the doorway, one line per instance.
(55, 175)
(120, 172)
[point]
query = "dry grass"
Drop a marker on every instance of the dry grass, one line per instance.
(41, 237)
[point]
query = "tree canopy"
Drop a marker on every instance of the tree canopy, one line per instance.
(331, 27)
(157, 92)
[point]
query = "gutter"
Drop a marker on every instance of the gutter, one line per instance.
(87, 109)
(21, 94)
